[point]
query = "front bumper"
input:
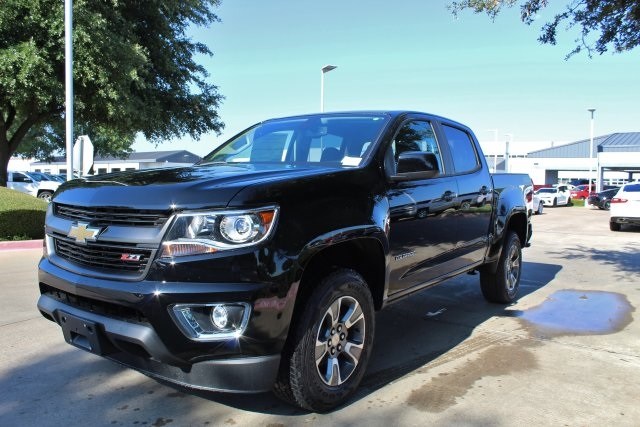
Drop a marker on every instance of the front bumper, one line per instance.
(139, 347)
(129, 322)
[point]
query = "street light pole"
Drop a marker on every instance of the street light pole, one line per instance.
(495, 149)
(506, 151)
(323, 71)
(591, 110)
(68, 83)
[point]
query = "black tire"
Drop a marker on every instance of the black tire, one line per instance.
(502, 286)
(45, 195)
(614, 226)
(555, 203)
(310, 375)
(607, 205)
(569, 202)
(540, 207)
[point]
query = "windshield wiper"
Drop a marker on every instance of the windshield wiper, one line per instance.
(212, 163)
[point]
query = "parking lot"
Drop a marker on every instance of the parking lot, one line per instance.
(568, 353)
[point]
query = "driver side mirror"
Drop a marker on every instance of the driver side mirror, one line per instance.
(416, 165)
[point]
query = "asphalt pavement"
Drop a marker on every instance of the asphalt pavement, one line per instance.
(567, 353)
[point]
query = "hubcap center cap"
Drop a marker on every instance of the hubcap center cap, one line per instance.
(335, 340)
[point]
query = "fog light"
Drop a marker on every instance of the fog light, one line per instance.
(211, 322)
(220, 316)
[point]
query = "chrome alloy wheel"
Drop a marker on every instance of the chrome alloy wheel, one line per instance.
(340, 341)
(513, 269)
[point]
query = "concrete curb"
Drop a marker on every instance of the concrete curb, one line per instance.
(21, 245)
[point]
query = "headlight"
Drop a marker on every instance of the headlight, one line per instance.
(198, 233)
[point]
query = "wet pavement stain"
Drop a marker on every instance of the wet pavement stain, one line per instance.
(575, 312)
(443, 391)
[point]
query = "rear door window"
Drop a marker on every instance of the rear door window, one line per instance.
(463, 152)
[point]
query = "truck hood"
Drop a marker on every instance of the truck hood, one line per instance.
(196, 187)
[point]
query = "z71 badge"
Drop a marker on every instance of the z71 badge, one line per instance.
(130, 257)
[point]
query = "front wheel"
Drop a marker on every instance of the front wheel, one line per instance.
(502, 286)
(555, 203)
(45, 195)
(539, 211)
(327, 355)
(614, 226)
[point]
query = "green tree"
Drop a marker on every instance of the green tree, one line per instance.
(134, 72)
(603, 24)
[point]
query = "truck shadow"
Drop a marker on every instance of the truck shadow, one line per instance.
(412, 333)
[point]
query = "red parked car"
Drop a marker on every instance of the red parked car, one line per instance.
(581, 192)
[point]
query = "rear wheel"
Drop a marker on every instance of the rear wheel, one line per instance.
(614, 226)
(327, 355)
(502, 286)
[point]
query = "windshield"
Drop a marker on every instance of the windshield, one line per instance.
(333, 139)
(546, 190)
(36, 176)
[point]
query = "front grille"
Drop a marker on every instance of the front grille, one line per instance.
(94, 306)
(103, 217)
(108, 257)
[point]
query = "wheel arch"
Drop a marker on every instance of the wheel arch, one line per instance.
(365, 255)
(518, 223)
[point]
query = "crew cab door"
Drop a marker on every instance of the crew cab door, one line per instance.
(473, 209)
(422, 222)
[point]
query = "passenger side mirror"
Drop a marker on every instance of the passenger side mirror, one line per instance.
(416, 165)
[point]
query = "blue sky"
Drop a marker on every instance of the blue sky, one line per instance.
(412, 55)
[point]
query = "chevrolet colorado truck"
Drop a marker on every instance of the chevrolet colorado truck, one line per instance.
(261, 267)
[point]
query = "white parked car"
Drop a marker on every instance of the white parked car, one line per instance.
(22, 182)
(32, 183)
(536, 205)
(46, 185)
(625, 206)
(555, 196)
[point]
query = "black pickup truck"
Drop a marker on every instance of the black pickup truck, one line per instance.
(261, 267)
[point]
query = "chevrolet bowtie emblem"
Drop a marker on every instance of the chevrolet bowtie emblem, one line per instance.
(83, 233)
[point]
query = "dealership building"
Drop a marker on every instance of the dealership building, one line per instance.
(108, 164)
(614, 160)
